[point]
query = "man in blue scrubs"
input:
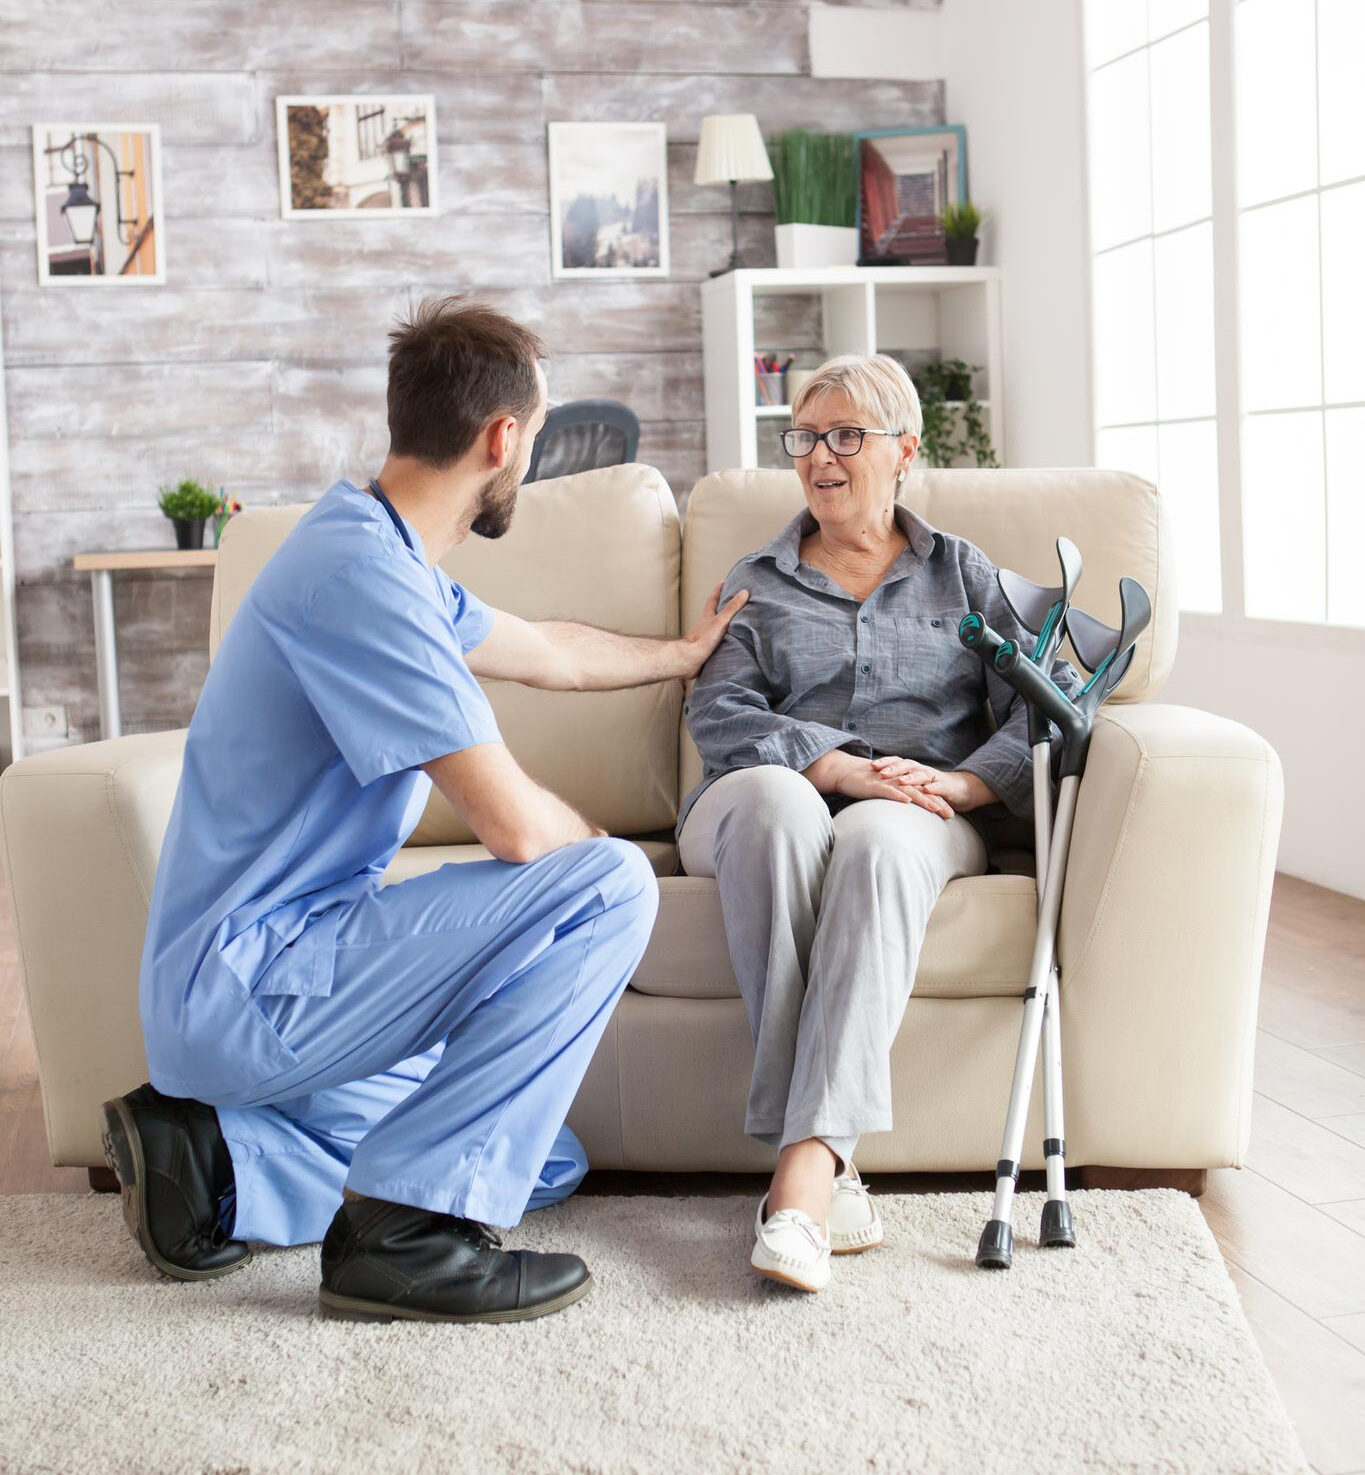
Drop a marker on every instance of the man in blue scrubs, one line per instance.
(417, 1046)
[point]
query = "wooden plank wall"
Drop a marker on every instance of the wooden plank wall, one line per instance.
(260, 364)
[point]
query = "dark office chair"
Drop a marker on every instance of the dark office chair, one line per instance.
(582, 435)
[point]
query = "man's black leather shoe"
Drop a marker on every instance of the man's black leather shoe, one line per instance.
(382, 1260)
(173, 1166)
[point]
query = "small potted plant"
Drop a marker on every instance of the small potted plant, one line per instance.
(188, 504)
(815, 198)
(959, 224)
(954, 419)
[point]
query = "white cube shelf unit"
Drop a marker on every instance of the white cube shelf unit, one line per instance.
(942, 311)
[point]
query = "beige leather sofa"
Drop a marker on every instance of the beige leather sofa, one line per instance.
(1161, 932)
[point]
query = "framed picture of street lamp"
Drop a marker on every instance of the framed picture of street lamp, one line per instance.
(356, 155)
(608, 199)
(99, 214)
(906, 177)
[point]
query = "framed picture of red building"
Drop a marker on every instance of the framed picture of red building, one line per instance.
(97, 188)
(906, 178)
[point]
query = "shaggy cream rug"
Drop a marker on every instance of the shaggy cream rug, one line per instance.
(1129, 1354)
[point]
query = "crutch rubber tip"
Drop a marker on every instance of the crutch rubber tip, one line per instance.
(1056, 1232)
(996, 1250)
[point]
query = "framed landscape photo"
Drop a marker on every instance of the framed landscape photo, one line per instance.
(906, 177)
(608, 199)
(356, 155)
(97, 188)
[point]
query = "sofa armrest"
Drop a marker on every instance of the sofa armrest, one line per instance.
(1162, 934)
(81, 829)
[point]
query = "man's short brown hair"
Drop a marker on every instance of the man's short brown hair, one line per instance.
(454, 365)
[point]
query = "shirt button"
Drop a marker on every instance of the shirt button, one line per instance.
(863, 619)
(866, 669)
(935, 623)
(852, 726)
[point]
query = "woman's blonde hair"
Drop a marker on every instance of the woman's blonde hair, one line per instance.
(878, 385)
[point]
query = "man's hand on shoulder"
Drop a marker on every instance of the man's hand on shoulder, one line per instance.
(563, 655)
(709, 631)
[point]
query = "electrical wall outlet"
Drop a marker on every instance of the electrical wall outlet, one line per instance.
(45, 722)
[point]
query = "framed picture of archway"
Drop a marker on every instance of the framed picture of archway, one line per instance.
(357, 155)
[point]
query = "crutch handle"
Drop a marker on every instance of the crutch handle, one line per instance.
(1038, 690)
(977, 635)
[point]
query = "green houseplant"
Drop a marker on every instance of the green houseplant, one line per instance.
(188, 504)
(960, 224)
(954, 419)
(815, 198)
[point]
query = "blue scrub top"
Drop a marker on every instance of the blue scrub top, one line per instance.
(342, 671)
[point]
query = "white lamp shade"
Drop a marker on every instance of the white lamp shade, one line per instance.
(731, 148)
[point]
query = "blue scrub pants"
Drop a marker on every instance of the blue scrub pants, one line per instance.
(465, 1008)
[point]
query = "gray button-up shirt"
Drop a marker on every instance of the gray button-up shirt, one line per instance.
(804, 668)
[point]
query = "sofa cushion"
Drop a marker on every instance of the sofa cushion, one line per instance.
(601, 547)
(979, 942)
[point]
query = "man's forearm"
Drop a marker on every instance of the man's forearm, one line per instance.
(555, 823)
(602, 660)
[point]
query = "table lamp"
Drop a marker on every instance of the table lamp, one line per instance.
(732, 151)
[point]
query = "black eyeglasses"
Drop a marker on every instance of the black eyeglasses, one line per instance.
(843, 440)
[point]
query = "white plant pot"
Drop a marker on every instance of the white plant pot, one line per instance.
(816, 245)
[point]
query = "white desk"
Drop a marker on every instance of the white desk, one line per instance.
(101, 568)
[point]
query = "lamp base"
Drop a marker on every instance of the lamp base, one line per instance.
(736, 260)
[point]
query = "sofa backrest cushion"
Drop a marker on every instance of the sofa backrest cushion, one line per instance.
(602, 547)
(1014, 516)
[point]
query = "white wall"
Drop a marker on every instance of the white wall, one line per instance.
(1015, 78)
(1303, 689)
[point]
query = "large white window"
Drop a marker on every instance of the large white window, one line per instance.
(1289, 226)
(1151, 214)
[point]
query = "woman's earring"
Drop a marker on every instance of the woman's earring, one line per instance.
(900, 476)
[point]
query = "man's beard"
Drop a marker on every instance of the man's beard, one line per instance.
(497, 503)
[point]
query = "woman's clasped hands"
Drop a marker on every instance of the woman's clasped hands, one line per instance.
(906, 781)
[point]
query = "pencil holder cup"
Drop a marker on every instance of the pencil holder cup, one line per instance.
(771, 388)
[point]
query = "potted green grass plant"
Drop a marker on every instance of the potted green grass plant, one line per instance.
(189, 504)
(960, 224)
(815, 198)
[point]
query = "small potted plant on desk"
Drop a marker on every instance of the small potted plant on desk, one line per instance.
(959, 224)
(188, 504)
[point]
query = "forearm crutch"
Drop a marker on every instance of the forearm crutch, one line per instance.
(1074, 720)
(1043, 613)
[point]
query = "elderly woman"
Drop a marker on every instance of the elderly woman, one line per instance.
(845, 740)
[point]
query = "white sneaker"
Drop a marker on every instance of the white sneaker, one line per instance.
(788, 1246)
(854, 1224)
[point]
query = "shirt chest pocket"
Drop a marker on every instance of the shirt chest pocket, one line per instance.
(929, 656)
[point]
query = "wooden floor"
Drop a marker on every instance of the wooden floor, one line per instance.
(1291, 1226)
